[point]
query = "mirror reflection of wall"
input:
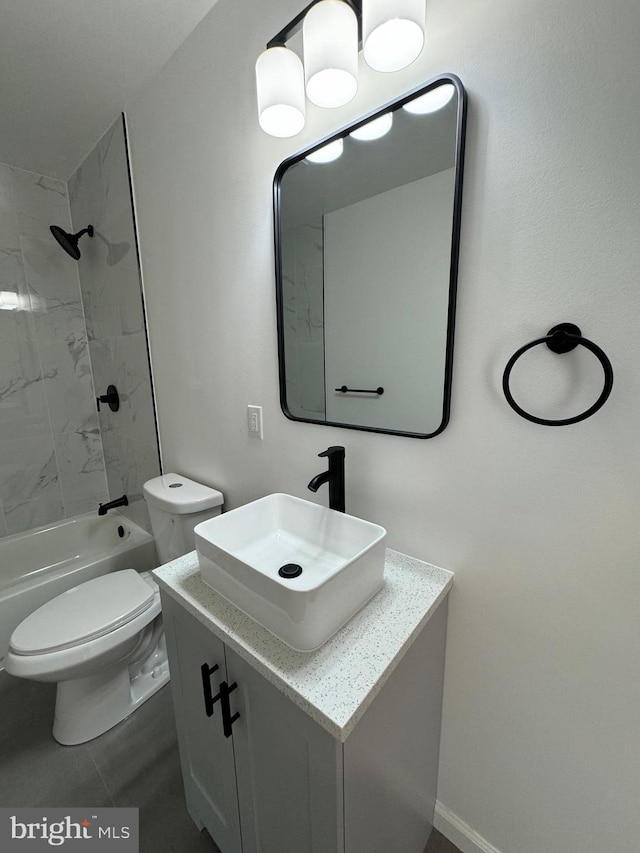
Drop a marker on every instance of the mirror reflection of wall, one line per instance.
(68, 329)
(382, 247)
(366, 283)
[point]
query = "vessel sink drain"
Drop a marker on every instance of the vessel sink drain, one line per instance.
(290, 570)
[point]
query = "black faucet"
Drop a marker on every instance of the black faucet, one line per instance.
(334, 476)
(103, 509)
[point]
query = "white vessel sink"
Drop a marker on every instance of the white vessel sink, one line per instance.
(342, 560)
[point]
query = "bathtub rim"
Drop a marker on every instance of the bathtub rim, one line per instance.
(137, 536)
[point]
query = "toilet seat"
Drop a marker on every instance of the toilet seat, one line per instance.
(85, 613)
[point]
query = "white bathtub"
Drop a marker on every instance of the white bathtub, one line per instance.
(37, 565)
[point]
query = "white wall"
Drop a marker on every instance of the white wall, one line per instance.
(386, 309)
(541, 730)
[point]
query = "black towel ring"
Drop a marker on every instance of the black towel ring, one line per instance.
(560, 339)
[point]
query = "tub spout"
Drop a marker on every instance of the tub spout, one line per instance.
(103, 509)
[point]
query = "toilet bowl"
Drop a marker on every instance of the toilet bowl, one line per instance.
(103, 641)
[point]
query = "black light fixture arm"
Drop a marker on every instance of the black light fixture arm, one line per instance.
(561, 339)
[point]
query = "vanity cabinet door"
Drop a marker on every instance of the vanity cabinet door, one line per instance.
(205, 754)
(288, 770)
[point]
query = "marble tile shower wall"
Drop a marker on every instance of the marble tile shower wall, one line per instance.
(303, 302)
(110, 283)
(51, 458)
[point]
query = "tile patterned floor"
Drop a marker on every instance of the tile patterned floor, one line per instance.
(134, 764)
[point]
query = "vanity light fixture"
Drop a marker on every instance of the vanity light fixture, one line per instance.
(330, 47)
(373, 129)
(390, 32)
(280, 87)
(327, 154)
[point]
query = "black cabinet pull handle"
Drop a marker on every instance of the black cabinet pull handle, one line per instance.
(209, 699)
(227, 719)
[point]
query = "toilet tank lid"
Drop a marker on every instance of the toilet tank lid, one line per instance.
(180, 495)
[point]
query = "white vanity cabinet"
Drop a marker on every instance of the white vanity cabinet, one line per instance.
(273, 784)
(334, 751)
(206, 756)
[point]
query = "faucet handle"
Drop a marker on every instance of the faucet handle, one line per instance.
(334, 450)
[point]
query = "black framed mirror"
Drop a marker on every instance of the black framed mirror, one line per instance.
(367, 232)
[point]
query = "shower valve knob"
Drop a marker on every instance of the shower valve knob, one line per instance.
(112, 398)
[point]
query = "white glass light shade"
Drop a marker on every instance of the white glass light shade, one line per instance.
(330, 151)
(280, 89)
(431, 101)
(392, 32)
(374, 129)
(330, 43)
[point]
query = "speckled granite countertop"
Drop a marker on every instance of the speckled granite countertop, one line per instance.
(336, 683)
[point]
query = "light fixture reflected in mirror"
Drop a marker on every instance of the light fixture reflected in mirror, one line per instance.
(373, 129)
(392, 35)
(328, 153)
(431, 101)
(8, 300)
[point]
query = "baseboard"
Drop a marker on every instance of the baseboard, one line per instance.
(460, 833)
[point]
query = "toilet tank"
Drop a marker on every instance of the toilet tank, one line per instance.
(176, 504)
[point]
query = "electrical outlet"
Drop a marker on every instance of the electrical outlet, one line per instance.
(254, 421)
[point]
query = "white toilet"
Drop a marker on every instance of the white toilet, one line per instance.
(103, 641)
